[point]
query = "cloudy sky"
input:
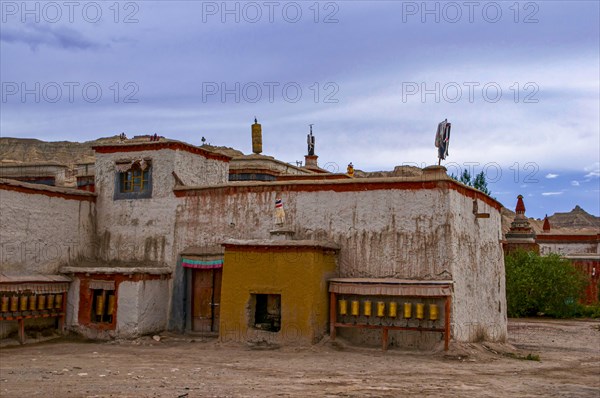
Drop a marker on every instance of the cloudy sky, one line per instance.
(519, 81)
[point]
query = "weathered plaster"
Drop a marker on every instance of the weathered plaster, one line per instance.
(196, 170)
(142, 307)
(72, 304)
(40, 232)
(479, 302)
(568, 248)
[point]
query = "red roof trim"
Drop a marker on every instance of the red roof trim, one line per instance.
(319, 177)
(55, 194)
(156, 146)
(548, 238)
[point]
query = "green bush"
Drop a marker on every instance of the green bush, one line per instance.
(588, 311)
(542, 284)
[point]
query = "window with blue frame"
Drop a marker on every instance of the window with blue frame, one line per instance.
(133, 180)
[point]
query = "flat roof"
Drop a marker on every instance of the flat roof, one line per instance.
(137, 145)
(41, 189)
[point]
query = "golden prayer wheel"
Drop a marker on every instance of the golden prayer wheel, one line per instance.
(50, 301)
(23, 303)
(380, 309)
(393, 309)
(4, 307)
(420, 311)
(354, 308)
(433, 312)
(256, 137)
(41, 302)
(32, 302)
(111, 304)
(367, 307)
(343, 304)
(14, 303)
(407, 310)
(58, 301)
(100, 305)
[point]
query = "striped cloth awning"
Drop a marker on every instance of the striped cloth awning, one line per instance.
(390, 287)
(101, 285)
(205, 263)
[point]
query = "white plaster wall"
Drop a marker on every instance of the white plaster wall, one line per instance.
(72, 305)
(142, 307)
(127, 309)
(136, 230)
(383, 233)
(153, 305)
(40, 233)
(479, 304)
(260, 162)
(196, 170)
(569, 248)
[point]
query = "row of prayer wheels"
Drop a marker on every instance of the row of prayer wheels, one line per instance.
(31, 302)
(101, 302)
(392, 309)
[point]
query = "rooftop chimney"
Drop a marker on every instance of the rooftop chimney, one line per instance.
(310, 160)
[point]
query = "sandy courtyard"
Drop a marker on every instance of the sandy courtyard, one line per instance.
(184, 366)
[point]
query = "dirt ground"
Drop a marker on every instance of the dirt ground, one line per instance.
(185, 366)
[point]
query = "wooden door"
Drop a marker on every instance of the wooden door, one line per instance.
(206, 297)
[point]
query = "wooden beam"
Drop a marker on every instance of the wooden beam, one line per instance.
(332, 315)
(447, 324)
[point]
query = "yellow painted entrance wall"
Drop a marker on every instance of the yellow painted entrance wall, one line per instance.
(299, 275)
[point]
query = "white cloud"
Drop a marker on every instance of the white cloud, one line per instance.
(550, 175)
(575, 183)
(593, 170)
(551, 193)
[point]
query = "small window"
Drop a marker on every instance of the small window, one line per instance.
(103, 306)
(267, 312)
(133, 180)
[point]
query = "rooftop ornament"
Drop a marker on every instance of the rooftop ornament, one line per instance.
(442, 139)
(310, 140)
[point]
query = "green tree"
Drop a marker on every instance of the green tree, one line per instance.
(465, 178)
(479, 182)
(547, 284)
